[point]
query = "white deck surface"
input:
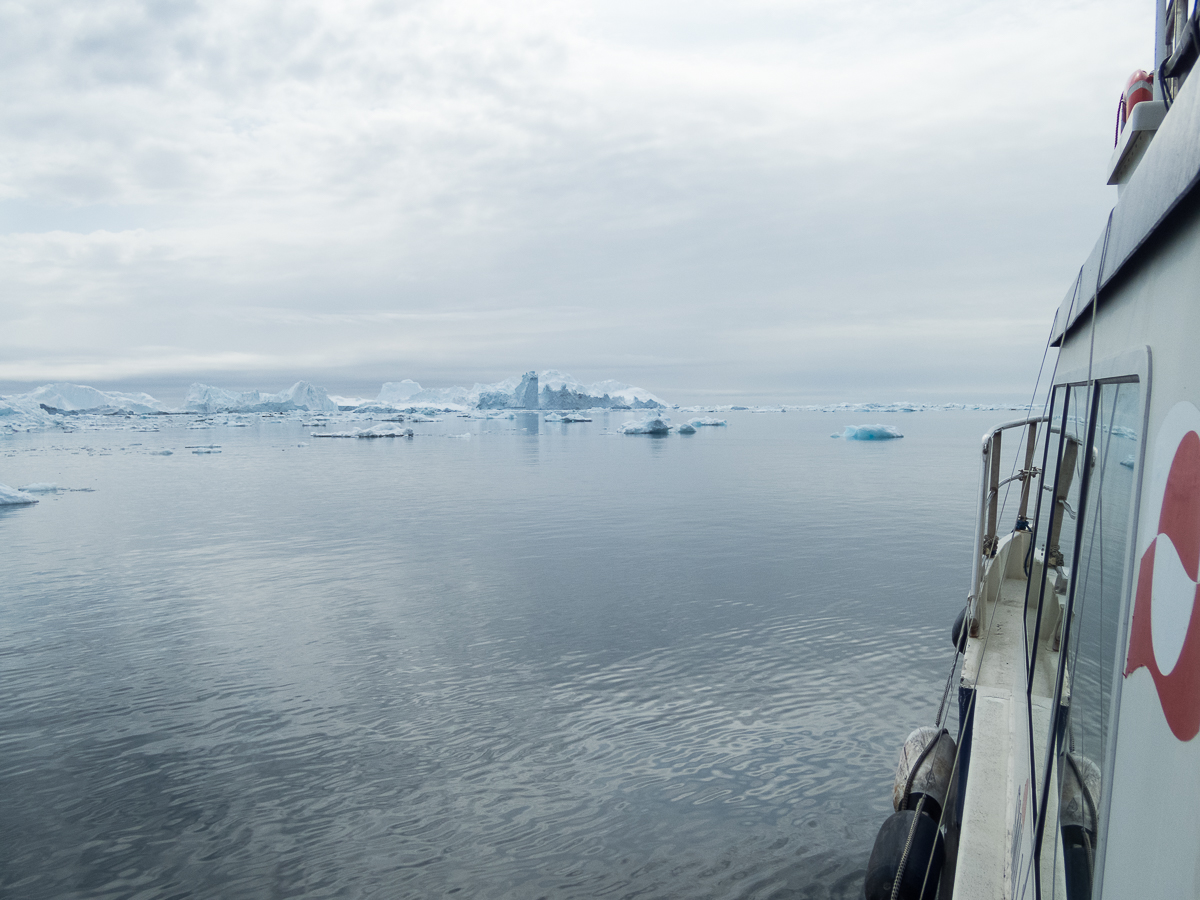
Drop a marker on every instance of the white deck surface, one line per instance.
(995, 664)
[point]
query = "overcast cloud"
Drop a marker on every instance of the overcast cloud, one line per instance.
(713, 200)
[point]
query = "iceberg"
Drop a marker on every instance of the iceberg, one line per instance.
(648, 425)
(346, 404)
(12, 497)
(687, 428)
(561, 391)
(396, 393)
(205, 398)
(871, 433)
(523, 396)
(533, 390)
(707, 421)
(64, 397)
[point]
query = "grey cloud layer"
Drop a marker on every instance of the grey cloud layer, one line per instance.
(768, 197)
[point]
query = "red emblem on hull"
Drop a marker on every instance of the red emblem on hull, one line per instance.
(1165, 634)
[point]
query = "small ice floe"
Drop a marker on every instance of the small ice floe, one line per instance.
(378, 431)
(489, 414)
(553, 417)
(422, 419)
(465, 436)
(1128, 462)
(13, 497)
(202, 450)
(650, 425)
(704, 421)
(871, 433)
(687, 428)
(575, 417)
(39, 487)
(161, 452)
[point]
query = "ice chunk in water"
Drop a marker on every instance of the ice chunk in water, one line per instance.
(40, 487)
(650, 425)
(12, 497)
(871, 433)
(687, 428)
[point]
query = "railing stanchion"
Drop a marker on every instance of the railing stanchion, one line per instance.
(1027, 480)
(986, 540)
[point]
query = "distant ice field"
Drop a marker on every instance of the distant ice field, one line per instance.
(550, 660)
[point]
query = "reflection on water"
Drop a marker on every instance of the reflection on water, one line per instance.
(575, 665)
(529, 422)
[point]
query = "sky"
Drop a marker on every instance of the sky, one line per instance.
(752, 201)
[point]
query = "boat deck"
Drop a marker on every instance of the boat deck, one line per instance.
(993, 823)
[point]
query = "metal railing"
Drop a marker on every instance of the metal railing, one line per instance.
(986, 538)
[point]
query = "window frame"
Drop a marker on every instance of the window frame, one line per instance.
(1129, 367)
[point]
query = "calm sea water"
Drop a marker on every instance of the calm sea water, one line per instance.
(542, 661)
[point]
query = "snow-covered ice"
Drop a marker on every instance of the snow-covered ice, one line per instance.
(649, 425)
(13, 497)
(301, 395)
(377, 431)
(79, 398)
(871, 433)
(707, 421)
(549, 389)
(687, 428)
(397, 393)
(39, 487)
(562, 391)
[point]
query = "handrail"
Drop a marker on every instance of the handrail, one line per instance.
(986, 540)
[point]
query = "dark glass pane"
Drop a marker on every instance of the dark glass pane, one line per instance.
(1100, 582)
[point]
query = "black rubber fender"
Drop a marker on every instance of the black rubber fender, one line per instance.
(958, 633)
(889, 849)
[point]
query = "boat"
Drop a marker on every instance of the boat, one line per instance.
(1072, 769)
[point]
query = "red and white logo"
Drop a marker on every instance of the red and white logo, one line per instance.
(1165, 633)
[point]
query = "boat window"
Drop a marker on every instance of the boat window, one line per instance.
(1049, 563)
(1100, 559)
(1043, 510)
